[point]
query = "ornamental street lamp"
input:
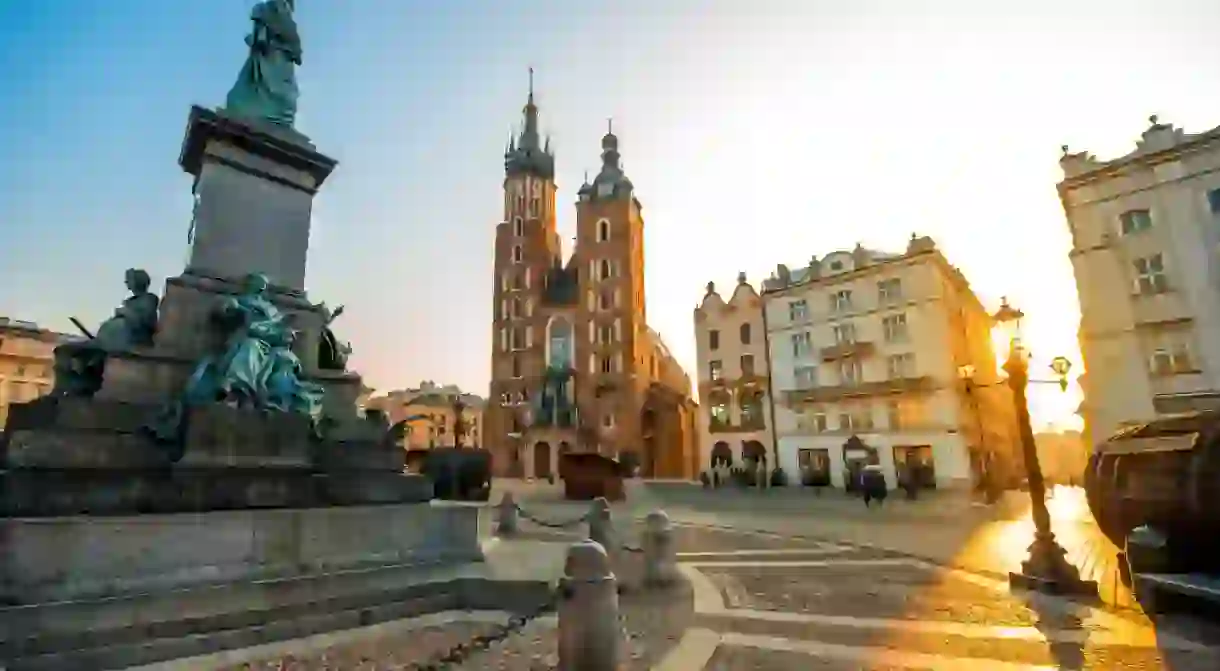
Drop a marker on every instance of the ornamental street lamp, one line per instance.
(1047, 568)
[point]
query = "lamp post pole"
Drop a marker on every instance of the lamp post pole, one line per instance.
(1047, 568)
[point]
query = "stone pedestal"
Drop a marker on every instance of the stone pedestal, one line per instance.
(254, 186)
(79, 456)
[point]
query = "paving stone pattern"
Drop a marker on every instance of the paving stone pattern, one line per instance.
(377, 653)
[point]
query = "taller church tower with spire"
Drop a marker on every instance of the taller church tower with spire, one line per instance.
(574, 365)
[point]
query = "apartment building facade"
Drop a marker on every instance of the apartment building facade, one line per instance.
(1146, 255)
(26, 362)
(428, 413)
(868, 357)
(735, 402)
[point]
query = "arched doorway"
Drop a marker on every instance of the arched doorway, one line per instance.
(722, 454)
(646, 463)
(542, 460)
(564, 448)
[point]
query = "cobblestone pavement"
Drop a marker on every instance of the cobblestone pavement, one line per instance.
(850, 608)
(993, 544)
(764, 600)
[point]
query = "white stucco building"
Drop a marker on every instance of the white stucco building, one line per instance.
(1146, 254)
(867, 351)
(734, 410)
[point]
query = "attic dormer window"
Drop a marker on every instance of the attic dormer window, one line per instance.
(836, 266)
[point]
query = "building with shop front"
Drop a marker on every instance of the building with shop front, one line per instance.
(734, 408)
(26, 362)
(886, 359)
(1146, 255)
(574, 364)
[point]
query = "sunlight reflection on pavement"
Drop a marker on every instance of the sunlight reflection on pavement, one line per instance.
(1005, 544)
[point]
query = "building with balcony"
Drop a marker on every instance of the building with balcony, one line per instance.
(1146, 255)
(26, 362)
(886, 359)
(733, 393)
(425, 415)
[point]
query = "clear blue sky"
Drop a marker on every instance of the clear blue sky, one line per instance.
(755, 132)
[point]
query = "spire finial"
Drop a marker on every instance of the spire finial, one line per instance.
(609, 125)
(531, 83)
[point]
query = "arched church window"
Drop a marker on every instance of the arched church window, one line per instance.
(603, 230)
(560, 343)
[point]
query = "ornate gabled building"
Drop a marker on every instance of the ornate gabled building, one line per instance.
(574, 365)
(733, 377)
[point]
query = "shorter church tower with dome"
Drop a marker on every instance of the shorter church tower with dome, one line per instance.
(574, 364)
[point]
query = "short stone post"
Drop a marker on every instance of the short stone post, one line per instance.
(590, 637)
(507, 523)
(660, 557)
(601, 525)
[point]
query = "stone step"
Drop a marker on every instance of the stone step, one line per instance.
(137, 645)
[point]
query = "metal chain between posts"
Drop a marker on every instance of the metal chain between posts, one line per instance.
(552, 525)
(462, 652)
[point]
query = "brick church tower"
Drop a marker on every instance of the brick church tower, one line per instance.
(574, 366)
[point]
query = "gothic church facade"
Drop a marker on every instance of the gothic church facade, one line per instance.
(574, 365)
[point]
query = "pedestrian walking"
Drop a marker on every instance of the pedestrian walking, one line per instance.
(872, 485)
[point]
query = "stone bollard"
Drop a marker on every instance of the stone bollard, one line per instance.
(601, 525)
(590, 637)
(660, 557)
(507, 523)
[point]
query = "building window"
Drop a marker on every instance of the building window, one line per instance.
(605, 334)
(518, 254)
(607, 365)
(840, 301)
(859, 419)
(806, 377)
(894, 327)
(608, 421)
(1150, 275)
(1134, 221)
(713, 340)
(715, 370)
(518, 227)
(849, 371)
(745, 334)
(720, 412)
(603, 230)
(604, 267)
(1171, 360)
(812, 422)
(802, 344)
(894, 416)
(747, 364)
(845, 334)
(901, 366)
(605, 300)
(889, 292)
(752, 411)
(1213, 201)
(798, 311)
